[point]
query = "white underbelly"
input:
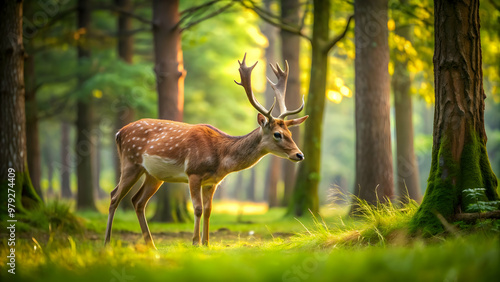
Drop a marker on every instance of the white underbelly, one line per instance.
(164, 169)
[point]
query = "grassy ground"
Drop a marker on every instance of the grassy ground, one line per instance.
(253, 245)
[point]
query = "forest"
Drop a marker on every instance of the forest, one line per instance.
(323, 140)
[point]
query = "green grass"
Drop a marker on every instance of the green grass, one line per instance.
(374, 247)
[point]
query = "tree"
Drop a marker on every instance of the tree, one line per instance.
(408, 183)
(459, 156)
(85, 143)
(169, 69)
(32, 132)
(290, 51)
(305, 195)
(125, 113)
(273, 174)
(13, 153)
(374, 175)
(65, 167)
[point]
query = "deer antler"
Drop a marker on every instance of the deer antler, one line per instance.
(245, 74)
(280, 90)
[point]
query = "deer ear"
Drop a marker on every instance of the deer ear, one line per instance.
(295, 122)
(261, 119)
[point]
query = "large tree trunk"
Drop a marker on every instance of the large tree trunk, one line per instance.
(290, 50)
(65, 169)
(459, 157)
(374, 174)
(32, 133)
(13, 167)
(273, 174)
(408, 183)
(125, 113)
(85, 143)
(169, 69)
(305, 194)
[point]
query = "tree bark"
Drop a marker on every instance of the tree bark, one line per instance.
(169, 69)
(459, 156)
(85, 143)
(290, 50)
(408, 183)
(65, 169)
(13, 151)
(305, 194)
(374, 171)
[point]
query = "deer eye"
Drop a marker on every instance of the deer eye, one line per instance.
(277, 136)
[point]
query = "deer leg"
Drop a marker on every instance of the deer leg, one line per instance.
(208, 194)
(129, 175)
(140, 200)
(195, 190)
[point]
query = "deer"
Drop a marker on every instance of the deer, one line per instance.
(200, 155)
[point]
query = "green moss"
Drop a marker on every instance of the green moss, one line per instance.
(448, 179)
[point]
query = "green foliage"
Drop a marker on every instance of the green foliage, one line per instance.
(53, 217)
(478, 205)
(331, 248)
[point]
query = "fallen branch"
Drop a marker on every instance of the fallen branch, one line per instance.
(471, 217)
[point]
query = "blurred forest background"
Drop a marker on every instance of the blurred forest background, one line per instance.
(89, 74)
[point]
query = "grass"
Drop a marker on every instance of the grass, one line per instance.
(257, 247)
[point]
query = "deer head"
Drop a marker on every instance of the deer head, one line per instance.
(277, 139)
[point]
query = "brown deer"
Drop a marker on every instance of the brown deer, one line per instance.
(200, 155)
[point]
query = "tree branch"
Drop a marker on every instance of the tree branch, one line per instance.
(122, 11)
(339, 37)
(471, 217)
(211, 15)
(274, 20)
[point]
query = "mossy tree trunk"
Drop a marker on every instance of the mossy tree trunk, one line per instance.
(459, 157)
(305, 194)
(13, 165)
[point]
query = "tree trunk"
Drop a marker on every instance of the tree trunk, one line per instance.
(13, 167)
(66, 165)
(273, 177)
(290, 50)
(50, 170)
(32, 133)
(85, 146)
(459, 157)
(169, 69)
(251, 185)
(126, 113)
(99, 192)
(374, 171)
(273, 174)
(408, 183)
(305, 194)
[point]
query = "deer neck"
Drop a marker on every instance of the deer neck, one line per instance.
(244, 151)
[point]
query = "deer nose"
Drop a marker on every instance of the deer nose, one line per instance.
(300, 156)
